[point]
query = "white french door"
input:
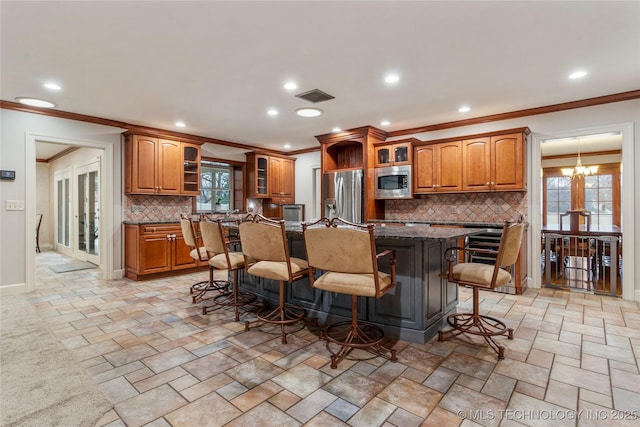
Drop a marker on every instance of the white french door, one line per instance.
(87, 214)
(62, 230)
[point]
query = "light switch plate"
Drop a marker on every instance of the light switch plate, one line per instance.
(15, 205)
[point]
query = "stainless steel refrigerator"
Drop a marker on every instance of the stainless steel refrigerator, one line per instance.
(344, 195)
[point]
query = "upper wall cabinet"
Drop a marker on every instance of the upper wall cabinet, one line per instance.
(437, 167)
(394, 153)
(161, 166)
(494, 163)
(271, 177)
(281, 180)
(486, 162)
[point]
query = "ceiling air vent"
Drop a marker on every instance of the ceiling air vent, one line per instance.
(315, 96)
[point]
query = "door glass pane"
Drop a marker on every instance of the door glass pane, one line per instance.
(67, 212)
(94, 212)
(82, 213)
(60, 216)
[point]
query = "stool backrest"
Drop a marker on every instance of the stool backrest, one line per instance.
(510, 244)
(341, 249)
(188, 232)
(213, 236)
(263, 239)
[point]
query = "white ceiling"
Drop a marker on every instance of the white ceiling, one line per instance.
(220, 65)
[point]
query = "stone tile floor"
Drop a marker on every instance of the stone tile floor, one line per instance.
(574, 360)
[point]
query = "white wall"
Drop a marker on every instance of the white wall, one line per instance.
(14, 135)
(305, 164)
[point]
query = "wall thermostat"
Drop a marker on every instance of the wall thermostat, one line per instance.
(7, 175)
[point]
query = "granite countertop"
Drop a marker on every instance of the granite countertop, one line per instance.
(410, 232)
(420, 230)
(440, 222)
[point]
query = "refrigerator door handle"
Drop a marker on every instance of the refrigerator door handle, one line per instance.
(340, 194)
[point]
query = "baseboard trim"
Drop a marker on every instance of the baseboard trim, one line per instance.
(17, 289)
(637, 296)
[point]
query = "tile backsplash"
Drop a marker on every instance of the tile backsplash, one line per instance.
(139, 207)
(493, 207)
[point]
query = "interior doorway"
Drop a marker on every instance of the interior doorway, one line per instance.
(109, 218)
(627, 210)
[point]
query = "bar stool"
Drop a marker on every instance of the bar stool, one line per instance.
(348, 258)
(266, 254)
(199, 253)
(220, 258)
(485, 276)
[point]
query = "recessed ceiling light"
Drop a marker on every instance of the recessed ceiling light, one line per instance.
(180, 124)
(272, 112)
(577, 74)
(385, 123)
(290, 85)
(464, 109)
(287, 145)
(52, 86)
(392, 78)
(308, 112)
(336, 130)
(34, 102)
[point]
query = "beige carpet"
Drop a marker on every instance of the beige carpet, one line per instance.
(40, 382)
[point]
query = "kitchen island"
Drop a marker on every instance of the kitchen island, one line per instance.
(414, 311)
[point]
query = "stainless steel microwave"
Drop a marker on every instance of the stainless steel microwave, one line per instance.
(393, 182)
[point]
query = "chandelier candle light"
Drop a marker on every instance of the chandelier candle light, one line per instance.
(579, 171)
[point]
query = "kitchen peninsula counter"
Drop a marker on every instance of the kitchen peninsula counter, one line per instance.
(413, 311)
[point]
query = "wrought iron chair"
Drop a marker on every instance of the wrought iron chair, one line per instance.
(199, 253)
(266, 254)
(483, 276)
(220, 258)
(347, 256)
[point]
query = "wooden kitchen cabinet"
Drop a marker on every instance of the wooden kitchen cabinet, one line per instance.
(394, 154)
(157, 248)
(437, 167)
(494, 163)
(271, 177)
(281, 179)
(161, 166)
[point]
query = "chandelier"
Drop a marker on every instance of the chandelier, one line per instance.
(579, 171)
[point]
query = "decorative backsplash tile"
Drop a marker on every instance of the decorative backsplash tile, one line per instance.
(464, 207)
(139, 207)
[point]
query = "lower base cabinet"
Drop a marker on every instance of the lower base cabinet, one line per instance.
(157, 248)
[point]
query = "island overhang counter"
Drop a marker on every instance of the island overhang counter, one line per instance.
(414, 311)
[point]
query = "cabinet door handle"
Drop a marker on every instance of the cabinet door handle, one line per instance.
(488, 184)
